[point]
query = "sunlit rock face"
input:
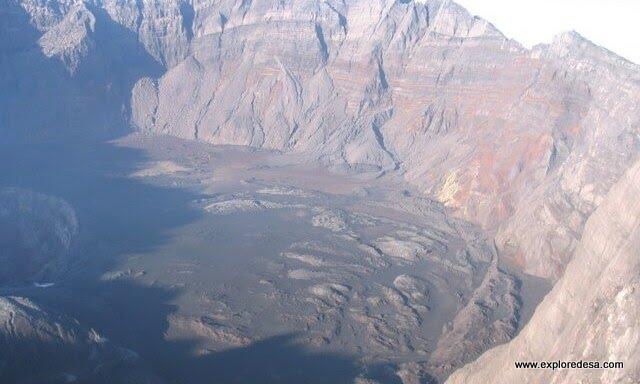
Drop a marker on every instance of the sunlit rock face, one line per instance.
(592, 312)
(36, 232)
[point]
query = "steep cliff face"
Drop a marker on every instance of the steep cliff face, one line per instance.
(592, 312)
(67, 69)
(525, 143)
(330, 80)
(589, 152)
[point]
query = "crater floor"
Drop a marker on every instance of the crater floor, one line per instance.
(356, 264)
(256, 266)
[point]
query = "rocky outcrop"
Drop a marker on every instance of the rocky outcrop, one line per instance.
(38, 346)
(36, 233)
(592, 312)
(28, 334)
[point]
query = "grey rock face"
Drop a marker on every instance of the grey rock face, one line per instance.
(593, 320)
(307, 77)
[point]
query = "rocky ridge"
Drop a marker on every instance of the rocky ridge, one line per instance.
(37, 346)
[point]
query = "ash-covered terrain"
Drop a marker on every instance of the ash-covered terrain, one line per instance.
(352, 264)
(300, 191)
(357, 266)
